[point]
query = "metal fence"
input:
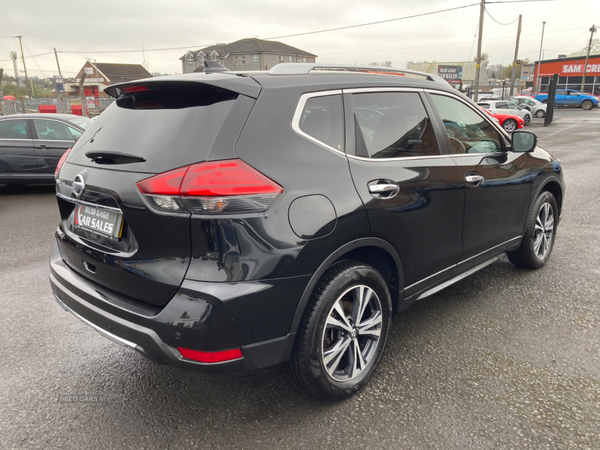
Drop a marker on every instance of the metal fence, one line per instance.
(92, 107)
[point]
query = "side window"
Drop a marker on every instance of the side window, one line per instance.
(75, 133)
(513, 106)
(467, 130)
(13, 129)
(392, 125)
(501, 105)
(323, 120)
(52, 130)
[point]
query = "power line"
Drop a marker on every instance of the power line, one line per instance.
(375, 23)
(445, 44)
(134, 51)
(500, 23)
(30, 56)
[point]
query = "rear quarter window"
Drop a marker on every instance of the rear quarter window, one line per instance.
(322, 120)
(13, 129)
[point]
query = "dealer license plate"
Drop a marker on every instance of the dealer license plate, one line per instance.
(101, 221)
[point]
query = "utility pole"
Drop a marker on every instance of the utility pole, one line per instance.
(13, 56)
(82, 94)
(538, 82)
(478, 67)
(24, 66)
(514, 69)
(593, 29)
(57, 63)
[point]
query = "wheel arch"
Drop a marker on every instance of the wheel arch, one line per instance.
(373, 251)
(555, 189)
(553, 186)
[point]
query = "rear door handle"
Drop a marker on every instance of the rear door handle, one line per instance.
(383, 188)
(474, 180)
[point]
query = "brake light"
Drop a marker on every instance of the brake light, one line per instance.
(138, 88)
(61, 161)
(210, 357)
(229, 186)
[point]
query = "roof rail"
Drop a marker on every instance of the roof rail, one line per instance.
(307, 68)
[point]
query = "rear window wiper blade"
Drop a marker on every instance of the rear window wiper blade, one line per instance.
(113, 158)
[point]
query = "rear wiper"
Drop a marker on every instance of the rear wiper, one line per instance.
(113, 158)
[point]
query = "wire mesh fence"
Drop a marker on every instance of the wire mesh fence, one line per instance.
(91, 107)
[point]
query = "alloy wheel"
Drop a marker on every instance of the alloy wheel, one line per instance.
(510, 125)
(352, 333)
(543, 230)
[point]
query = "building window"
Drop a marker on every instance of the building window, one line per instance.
(240, 60)
(280, 59)
(291, 59)
(190, 61)
(255, 58)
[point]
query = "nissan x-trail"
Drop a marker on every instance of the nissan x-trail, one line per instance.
(222, 221)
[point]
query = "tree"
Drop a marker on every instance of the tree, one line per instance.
(595, 46)
(485, 59)
(496, 71)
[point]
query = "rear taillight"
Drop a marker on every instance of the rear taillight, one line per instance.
(61, 161)
(217, 187)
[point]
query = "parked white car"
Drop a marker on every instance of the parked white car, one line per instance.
(537, 108)
(506, 107)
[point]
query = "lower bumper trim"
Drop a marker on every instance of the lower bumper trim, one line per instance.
(106, 334)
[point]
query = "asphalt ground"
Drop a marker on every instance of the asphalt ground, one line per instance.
(505, 359)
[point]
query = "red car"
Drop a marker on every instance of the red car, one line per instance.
(507, 121)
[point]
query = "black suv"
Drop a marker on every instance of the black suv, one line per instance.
(222, 221)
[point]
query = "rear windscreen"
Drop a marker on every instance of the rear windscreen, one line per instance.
(173, 132)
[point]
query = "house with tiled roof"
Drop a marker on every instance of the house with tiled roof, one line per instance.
(245, 54)
(100, 75)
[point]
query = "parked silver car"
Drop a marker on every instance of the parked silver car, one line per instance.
(506, 107)
(537, 108)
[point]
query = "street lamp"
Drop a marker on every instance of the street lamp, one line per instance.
(537, 78)
(593, 29)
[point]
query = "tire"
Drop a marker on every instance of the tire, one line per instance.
(510, 125)
(324, 361)
(587, 105)
(539, 113)
(527, 119)
(538, 240)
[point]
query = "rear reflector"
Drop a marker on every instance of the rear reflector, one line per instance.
(61, 161)
(210, 357)
(224, 187)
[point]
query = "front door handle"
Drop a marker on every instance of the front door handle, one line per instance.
(43, 147)
(474, 180)
(383, 188)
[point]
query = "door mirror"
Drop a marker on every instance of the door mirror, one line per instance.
(524, 141)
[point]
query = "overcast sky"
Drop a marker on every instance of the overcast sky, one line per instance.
(89, 28)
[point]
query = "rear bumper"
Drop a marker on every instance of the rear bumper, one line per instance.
(208, 320)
